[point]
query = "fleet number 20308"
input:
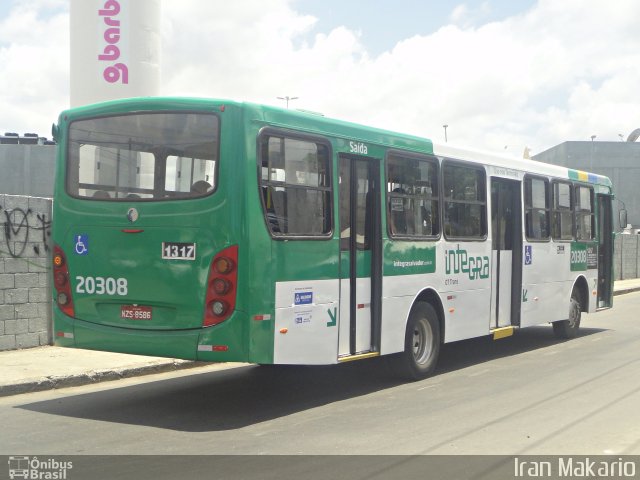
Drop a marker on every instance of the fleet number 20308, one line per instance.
(101, 285)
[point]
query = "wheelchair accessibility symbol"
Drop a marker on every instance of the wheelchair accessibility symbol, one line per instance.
(82, 244)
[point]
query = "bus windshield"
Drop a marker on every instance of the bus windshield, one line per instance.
(150, 156)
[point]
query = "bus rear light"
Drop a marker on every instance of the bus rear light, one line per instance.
(221, 292)
(60, 279)
(219, 308)
(58, 260)
(220, 286)
(61, 282)
(223, 265)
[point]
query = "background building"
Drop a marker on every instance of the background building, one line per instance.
(27, 165)
(620, 161)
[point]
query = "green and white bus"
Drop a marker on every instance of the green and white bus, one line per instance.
(224, 231)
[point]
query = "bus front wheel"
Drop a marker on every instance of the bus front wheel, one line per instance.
(421, 345)
(566, 329)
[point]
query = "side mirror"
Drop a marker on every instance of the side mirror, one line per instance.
(622, 214)
(55, 131)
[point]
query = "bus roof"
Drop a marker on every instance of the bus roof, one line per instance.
(318, 124)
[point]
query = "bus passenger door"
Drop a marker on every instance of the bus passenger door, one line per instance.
(506, 252)
(360, 256)
(605, 251)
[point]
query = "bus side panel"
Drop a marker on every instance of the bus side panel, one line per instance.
(546, 283)
(307, 300)
(306, 330)
(463, 275)
(258, 286)
(409, 268)
(395, 314)
(466, 294)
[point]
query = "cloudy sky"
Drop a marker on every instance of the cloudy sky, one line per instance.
(500, 73)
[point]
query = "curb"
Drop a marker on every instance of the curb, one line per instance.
(97, 376)
(626, 290)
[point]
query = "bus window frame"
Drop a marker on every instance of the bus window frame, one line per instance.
(445, 161)
(269, 131)
(420, 157)
(176, 195)
(554, 182)
(578, 213)
(549, 209)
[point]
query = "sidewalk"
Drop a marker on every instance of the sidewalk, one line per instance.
(626, 286)
(49, 367)
(45, 368)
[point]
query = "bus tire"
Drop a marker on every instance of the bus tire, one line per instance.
(566, 329)
(421, 344)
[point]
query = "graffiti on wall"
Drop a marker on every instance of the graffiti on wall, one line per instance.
(21, 228)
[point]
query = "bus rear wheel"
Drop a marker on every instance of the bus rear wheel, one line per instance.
(566, 329)
(421, 345)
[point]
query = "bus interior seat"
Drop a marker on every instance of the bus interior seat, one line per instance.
(200, 187)
(101, 194)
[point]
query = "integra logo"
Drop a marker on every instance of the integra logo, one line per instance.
(458, 261)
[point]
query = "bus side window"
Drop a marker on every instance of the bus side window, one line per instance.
(296, 184)
(412, 195)
(465, 204)
(585, 216)
(563, 207)
(398, 216)
(536, 204)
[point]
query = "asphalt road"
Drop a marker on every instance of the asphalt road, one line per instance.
(528, 394)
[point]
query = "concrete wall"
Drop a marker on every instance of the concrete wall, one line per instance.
(25, 272)
(27, 170)
(626, 262)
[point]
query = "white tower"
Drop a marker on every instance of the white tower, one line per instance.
(115, 49)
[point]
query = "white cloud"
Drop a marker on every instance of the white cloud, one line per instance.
(464, 16)
(517, 82)
(559, 71)
(34, 66)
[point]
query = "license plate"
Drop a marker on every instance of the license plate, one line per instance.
(135, 312)
(178, 251)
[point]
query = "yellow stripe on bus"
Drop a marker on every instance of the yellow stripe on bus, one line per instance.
(359, 356)
(503, 332)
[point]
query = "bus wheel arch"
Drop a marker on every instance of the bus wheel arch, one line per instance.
(567, 329)
(431, 297)
(581, 289)
(423, 337)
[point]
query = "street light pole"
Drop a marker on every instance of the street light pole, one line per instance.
(287, 98)
(445, 132)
